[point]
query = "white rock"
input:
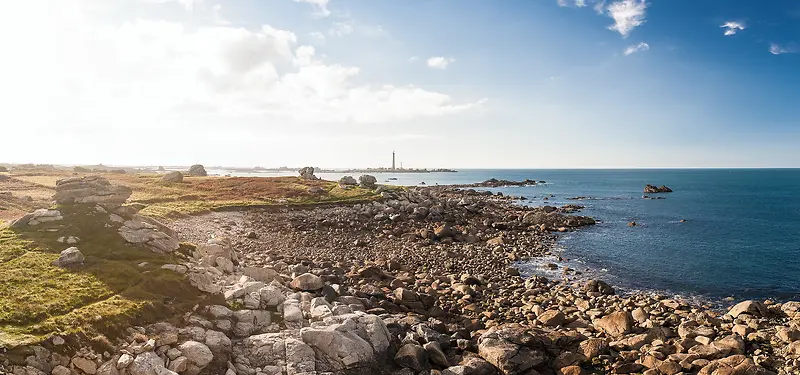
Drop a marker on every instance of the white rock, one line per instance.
(124, 361)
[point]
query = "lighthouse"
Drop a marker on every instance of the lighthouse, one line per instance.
(393, 161)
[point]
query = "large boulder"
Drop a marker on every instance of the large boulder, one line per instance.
(347, 181)
(354, 343)
(754, 308)
(91, 190)
(513, 350)
(69, 257)
(147, 363)
(198, 170)
(615, 324)
(174, 176)
(37, 217)
(367, 181)
(198, 356)
(307, 173)
(307, 282)
(598, 286)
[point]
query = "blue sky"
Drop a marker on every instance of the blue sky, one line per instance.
(334, 83)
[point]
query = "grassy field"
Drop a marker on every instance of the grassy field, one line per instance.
(192, 196)
(119, 284)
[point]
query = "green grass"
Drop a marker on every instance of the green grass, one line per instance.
(107, 294)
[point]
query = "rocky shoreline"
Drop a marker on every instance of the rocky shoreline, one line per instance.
(420, 282)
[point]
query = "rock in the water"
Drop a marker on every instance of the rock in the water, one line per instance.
(598, 286)
(307, 282)
(367, 181)
(307, 173)
(652, 189)
(69, 257)
(173, 176)
(91, 190)
(197, 170)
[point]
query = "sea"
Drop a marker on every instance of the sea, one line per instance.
(722, 234)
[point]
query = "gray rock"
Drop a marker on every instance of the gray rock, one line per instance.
(367, 181)
(146, 364)
(307, 173)
(198, 355)
(198, 170)
(436, 354)
(173, 177)
(69, 257)
(86, 365)
(347, 181)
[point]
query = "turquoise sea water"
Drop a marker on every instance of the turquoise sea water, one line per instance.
(741, 237)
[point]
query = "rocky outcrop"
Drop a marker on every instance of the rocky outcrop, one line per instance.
(91, 190)
(147, 232)
(197, 170)
(367, 181)
(37, 217)
(173, 177)
(652, 189)
(307, 173)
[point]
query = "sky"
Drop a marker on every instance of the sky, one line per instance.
(444, 83)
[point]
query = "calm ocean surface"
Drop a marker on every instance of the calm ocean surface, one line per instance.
(741, 238)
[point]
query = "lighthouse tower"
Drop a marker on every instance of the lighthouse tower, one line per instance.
(393, 168)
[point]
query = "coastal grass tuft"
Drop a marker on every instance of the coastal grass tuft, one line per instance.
(118, 284)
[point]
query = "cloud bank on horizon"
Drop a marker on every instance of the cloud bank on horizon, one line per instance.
(292, 82)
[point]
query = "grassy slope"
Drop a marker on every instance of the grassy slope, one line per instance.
(111, 290)
(108, 292)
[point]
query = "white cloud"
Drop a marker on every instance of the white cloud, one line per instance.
(580, 3)
(637, 48)
(627, 15)
(165, 77)
(777, 49)
(562, 3)
(341, 29)
(440, 62)
(732, 27)
(599, 6)
(566, 3)
(321, 7)
(188, 4)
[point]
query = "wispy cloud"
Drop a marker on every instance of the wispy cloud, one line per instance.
(732, 27)
(566, 3)
(440, 62)
(637, 48)
(777, 49)
(413, 59)
(341, 29)
(627, 15)
(317, 35)
(320, 5)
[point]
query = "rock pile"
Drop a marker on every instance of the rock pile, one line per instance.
(198, 170)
